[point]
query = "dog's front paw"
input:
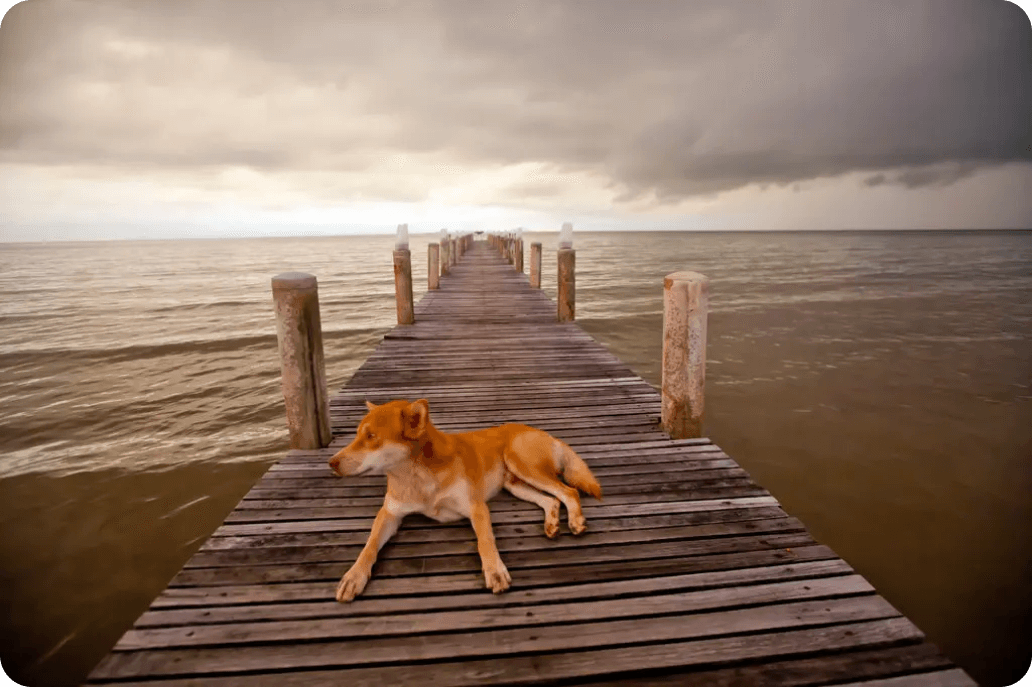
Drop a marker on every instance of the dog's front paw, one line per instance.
(497, 578)
(352, 584)
(578, 525)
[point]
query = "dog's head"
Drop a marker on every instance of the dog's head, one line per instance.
(387, 436)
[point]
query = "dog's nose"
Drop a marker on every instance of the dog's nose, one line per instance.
(335, 464)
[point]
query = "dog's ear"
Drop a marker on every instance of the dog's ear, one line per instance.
(369, 406)
(414, 419)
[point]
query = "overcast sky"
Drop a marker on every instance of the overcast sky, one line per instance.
(235, 117)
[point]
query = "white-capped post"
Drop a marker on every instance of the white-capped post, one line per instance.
(403, 276)
(685, 307)
(295, 299)
(566, 272)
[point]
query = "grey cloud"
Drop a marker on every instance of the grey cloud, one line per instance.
(666, 99)
(936, 176)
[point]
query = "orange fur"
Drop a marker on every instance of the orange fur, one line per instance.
(451, 476)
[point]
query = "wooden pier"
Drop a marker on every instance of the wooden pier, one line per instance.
(689, 572)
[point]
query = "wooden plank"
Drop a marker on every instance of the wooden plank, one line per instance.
(448, 584)
(464, 532)
(516, 561)
(343, 625)
(549, 638)
(629, 510)
(939, 678)
(799, 672)
(364, 606)
(401, 549)
(848, 642)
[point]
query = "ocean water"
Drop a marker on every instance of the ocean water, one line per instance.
(877, 383)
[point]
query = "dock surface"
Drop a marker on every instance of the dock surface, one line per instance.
(689, 572)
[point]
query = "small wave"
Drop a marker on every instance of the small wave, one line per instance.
(158, 350)
(214, 305)
(14, 319)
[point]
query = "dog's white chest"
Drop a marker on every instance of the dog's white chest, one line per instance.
(450, 504)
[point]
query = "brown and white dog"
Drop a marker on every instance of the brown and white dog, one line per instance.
(451, 476)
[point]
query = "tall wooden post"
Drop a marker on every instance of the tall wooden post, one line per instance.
(519, 255)
(433, 268)
(685, 306)
(445, 257)
(403, 285)
(295, 297)
(535, 265)
(567, 292)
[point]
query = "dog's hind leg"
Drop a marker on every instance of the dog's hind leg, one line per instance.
(521, 490)
(539, 474)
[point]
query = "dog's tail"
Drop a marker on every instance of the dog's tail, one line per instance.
(577, 474)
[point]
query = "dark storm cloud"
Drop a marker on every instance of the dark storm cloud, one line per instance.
(670, 99)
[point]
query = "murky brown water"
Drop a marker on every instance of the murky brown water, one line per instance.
(877, 384)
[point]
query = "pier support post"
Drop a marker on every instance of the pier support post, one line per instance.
(567, 295)
(535, 265)
(295, 297)
(403, 285)
(445, 257)
(685, 306)
(433, 268)
(519, 255)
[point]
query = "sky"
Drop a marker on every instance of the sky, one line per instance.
(162, 119)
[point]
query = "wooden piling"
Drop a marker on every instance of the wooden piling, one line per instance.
(403, 285)
(685, 306)
(433, 268)
(445, 257)
(295, 298)
(535, 265)
(567, 293)
(519, 255)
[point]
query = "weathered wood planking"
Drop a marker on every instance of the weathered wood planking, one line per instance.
(689, 570)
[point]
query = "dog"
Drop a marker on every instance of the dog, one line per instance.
(451, 476)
